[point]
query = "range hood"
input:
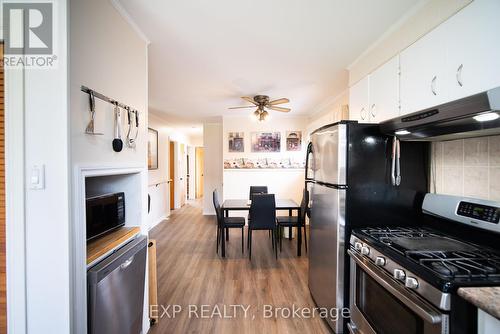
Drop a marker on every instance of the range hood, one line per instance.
(473, 116)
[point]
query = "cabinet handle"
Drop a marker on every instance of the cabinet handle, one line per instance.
(373, 110)
(362, 113)
(459, 75)
(433, 85)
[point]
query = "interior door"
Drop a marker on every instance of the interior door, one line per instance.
(171, 182)
(199, 172)
(182, 174)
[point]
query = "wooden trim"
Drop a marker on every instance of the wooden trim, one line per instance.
(152, 279)
(3, 264)
(105, 244)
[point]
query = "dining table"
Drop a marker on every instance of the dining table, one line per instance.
(244, 205)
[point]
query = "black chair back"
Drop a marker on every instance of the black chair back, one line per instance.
(218, 210)
(304, 206)
(257, 190)
(263, 212)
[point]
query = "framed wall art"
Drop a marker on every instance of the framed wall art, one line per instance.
(152, 149)
(266, 141)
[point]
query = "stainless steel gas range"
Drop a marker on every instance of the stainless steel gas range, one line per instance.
(404, 279)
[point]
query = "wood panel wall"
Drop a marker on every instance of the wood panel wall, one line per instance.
(3, 287)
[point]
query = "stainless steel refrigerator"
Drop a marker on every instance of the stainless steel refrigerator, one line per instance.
(358, 177)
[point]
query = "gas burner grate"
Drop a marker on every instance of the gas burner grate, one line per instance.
(459, 264)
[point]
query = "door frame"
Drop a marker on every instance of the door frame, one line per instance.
(14, 94)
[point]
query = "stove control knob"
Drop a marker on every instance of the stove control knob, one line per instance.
(380, 261)
(365, 250)
(399, 274)
(411, 282)
(357, 246)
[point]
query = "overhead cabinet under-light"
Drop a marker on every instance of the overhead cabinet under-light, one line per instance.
(472, 116)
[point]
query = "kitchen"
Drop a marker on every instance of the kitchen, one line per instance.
(352, 180)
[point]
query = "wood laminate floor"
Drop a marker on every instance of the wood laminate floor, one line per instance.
(191, 273)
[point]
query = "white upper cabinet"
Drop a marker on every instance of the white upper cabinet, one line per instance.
(473, 49)
(384, 92)
(359, 99)
(422, 73)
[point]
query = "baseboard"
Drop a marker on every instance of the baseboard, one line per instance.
(159, 221)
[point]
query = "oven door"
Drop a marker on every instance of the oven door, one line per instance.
(380, 304)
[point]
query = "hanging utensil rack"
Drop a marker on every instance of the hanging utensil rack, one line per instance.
(107, 99)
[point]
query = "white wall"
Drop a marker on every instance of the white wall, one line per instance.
(212, 168)
(284, 183)
(107, 55)
(330, 113)
(158, 189)
(48, 210)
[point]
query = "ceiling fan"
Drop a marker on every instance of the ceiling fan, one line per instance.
(262, 103)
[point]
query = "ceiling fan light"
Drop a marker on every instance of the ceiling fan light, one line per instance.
(263, 116)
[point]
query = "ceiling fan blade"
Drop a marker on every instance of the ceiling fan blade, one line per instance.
(249, 99)
(278, 108)
(279, 101)
(242, 107)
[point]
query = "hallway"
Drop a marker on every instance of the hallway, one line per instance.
(191, 274)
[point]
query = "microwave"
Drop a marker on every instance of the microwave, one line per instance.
(105, 213)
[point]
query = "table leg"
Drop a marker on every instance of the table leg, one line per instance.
(290, 213)
(227, 230)
(223, 239)
(299, 236)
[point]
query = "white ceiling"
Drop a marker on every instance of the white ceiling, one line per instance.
(205, 54)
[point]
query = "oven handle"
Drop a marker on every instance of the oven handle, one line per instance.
(420, 307)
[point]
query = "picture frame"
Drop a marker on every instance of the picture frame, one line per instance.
(236, 142)
(152, 149)
(268, 141)
(294, 141)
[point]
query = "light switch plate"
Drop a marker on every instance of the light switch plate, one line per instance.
(37, 177)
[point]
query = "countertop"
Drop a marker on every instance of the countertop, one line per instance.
(486, 298)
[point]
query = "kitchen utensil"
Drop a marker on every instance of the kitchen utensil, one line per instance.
(133, 117)
(90, 126)
(117, 141)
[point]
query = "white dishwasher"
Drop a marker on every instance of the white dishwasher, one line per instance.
(116, 290)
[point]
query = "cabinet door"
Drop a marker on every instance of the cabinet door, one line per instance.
(422, 82)
(384, 92)
(359, 100)
(473, 49)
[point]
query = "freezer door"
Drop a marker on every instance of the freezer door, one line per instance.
(326, 250)
(330, 154)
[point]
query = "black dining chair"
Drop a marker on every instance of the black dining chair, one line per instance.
(263, 212)
(295, 221)
(226, 223)
(257, 190)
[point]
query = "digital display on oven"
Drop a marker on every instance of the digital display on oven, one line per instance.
(489, 214)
